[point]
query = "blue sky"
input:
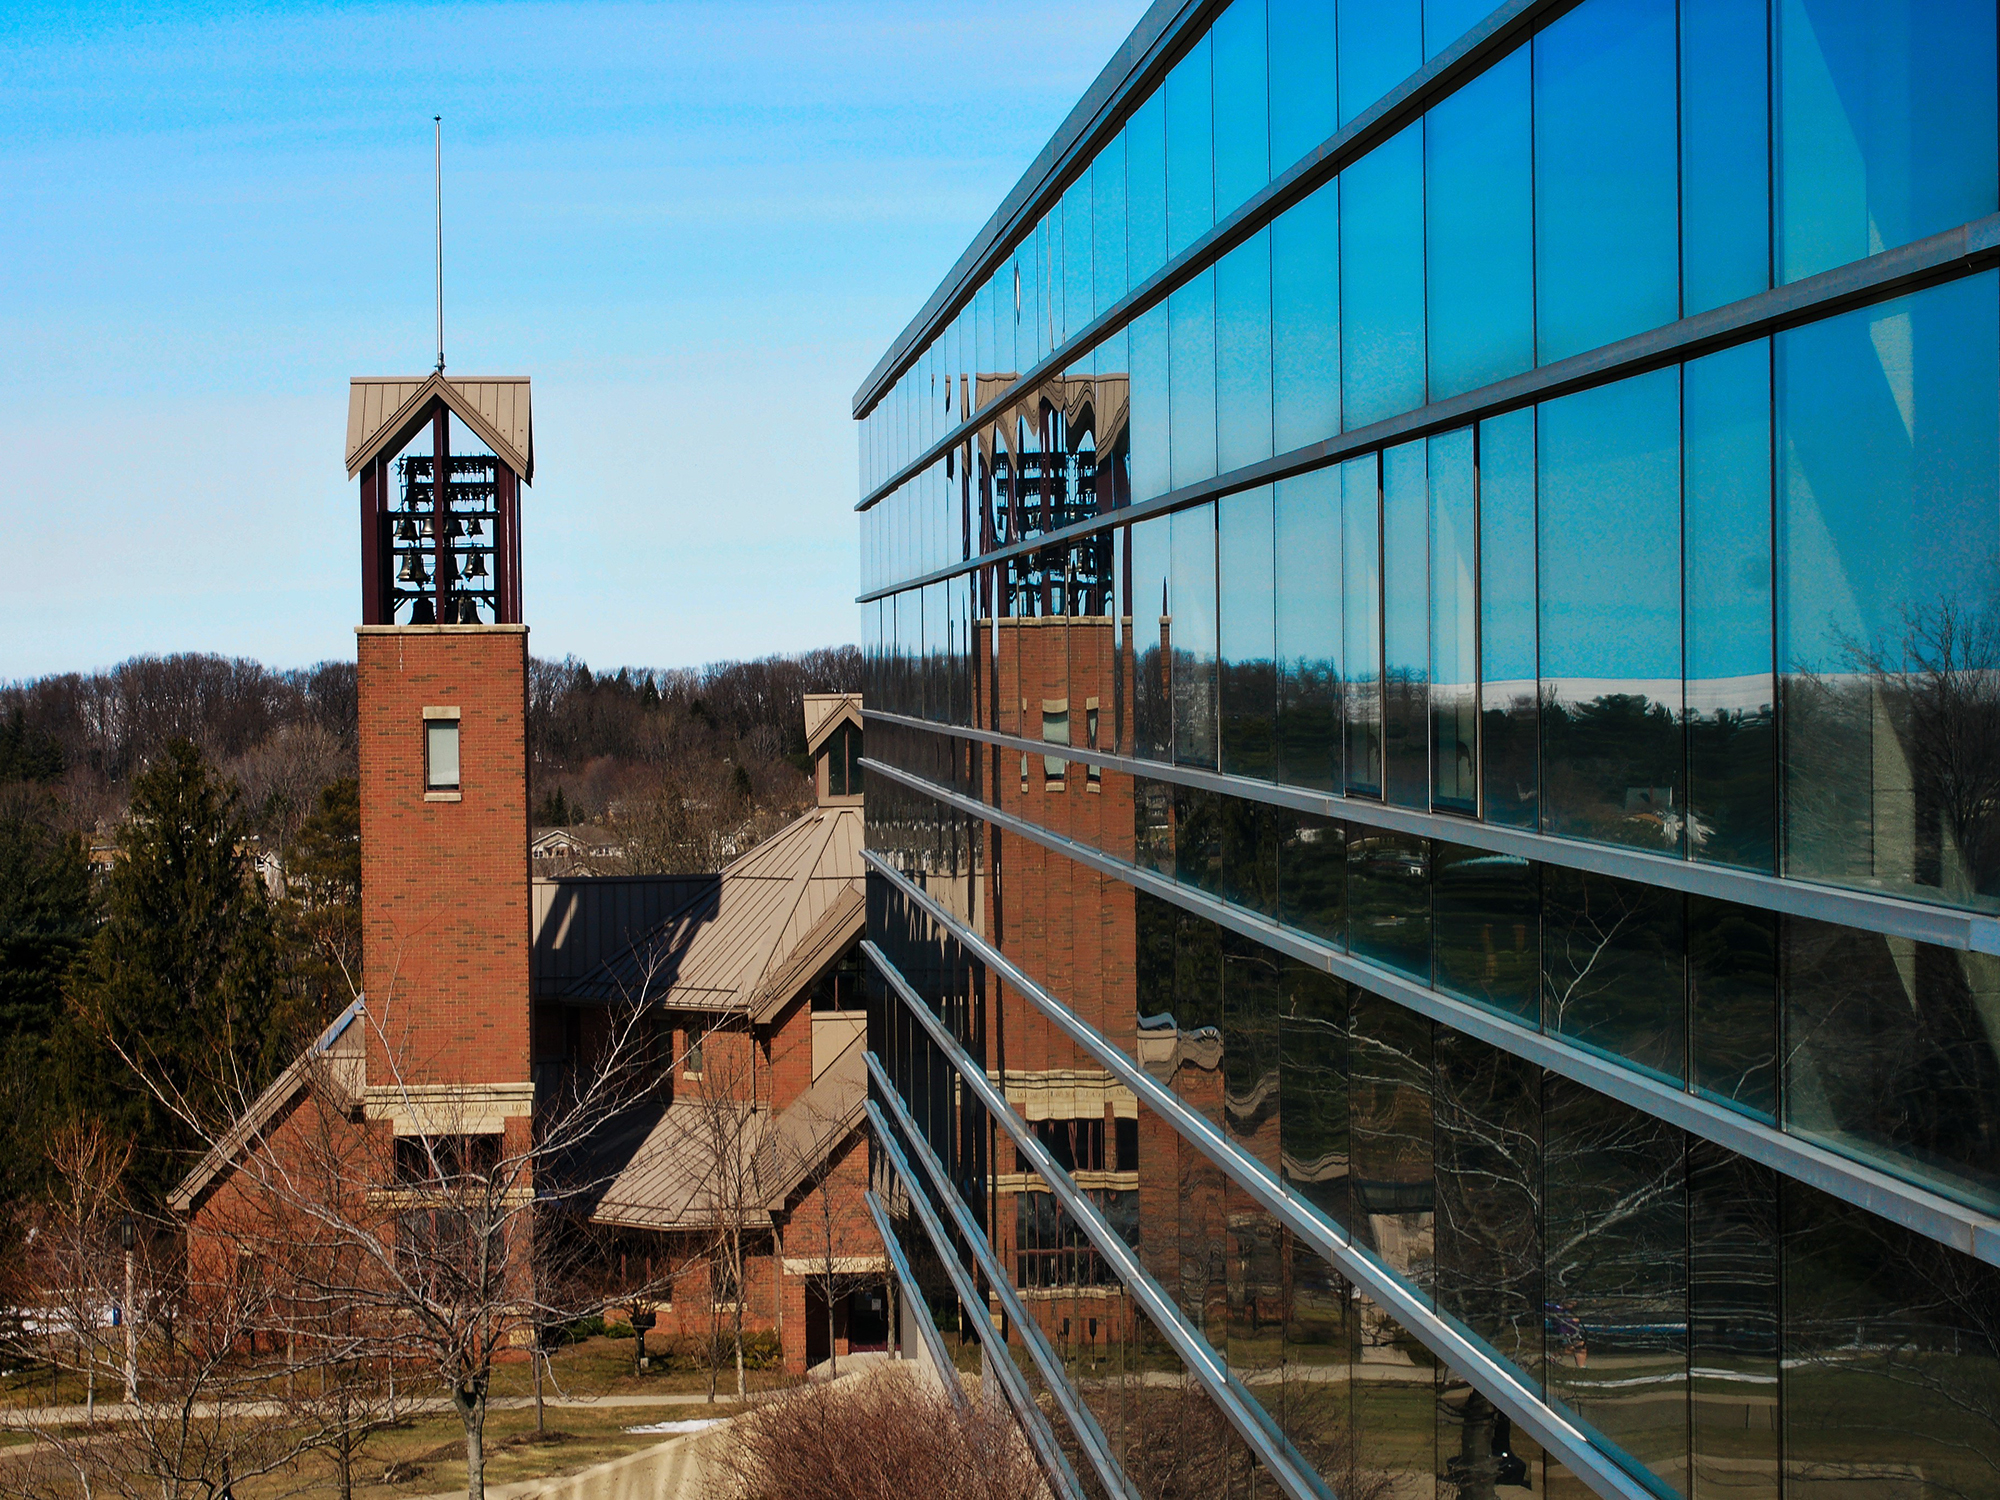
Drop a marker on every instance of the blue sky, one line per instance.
(696, 226)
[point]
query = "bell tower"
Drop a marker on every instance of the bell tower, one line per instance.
(443, 687)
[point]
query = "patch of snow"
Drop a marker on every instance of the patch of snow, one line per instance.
(698, 1424)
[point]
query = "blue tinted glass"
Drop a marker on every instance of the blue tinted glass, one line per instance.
(1454, 693)
(1242, 144)
(1307, 525)
(1243, 353)
(1361, 621)
(1382, 281)
(1191, 634)
(1508, 719)
(1079, 300)
(1146, 189)
(1610, 519)
(1191, 331)
(1405, 626)
(1151, 469)
(1305, 320)
(1479, 197)
(1607, 232)
(1302, 79)
(1381, 44)
(1245, 583)
(1149, 556)
(1732, 765)
(1190, 150)
(1107, 206)
(1445, 21)
(1889, 530)
(1885, 124)
(1029, 314)
(1725, 153)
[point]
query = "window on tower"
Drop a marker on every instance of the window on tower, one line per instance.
(440, 750)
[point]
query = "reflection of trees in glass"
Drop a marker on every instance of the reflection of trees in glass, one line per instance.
(1891, 1052)
(1613, 967)
(1892, 768)
(1892, 1349)
(1389, 1099)
(1611, 770)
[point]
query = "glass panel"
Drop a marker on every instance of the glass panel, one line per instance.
(1395, 1408)
(1406, 626)
(1079, 298)
(1389, 899)
(1509, 693)
(1489, 1196)
(1381, 44)
(1891, 1054)
(1244, 570)
(1732, 1325)
(1250, 835)
(1607, 230)
(1382, 281)
(1445, 21)
(1305, 320)
(1886, 119)
(1389, 1099)
(1107, 207)
(1892, 1359)
(1192, 635)
(1191, 325)
(1152, 466)
(1361, 606)
(1190, 149)
(1733, 1004)
(1479, 1452)
(1243, 353)
(1609, 492)
(1454, 624)
(1303, 106)
(1242, 148)
(1613, 967)
(1312, 876)
(1617, 1276)
(1147, 603)
(1489, 941)
(1889, 630)
(1314, 1403)
(1146, 188)
(1307, 625)
(1480, 230)
(1732, 742)
(1312, 1086)
(1725, 153)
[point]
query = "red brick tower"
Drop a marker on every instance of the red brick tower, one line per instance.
(443, 681)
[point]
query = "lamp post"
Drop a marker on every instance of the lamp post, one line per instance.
(128, 1236)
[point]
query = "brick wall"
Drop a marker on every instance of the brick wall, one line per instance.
(444, 884)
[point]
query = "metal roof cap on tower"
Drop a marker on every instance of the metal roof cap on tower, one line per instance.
(385, 411)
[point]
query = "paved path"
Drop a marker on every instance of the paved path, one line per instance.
(117, 1411)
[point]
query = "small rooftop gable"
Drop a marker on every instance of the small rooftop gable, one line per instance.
(385, 411)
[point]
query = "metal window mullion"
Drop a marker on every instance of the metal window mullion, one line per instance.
(1504, 1386)
(1893, 1198)
(1034, 1421)
(1920, 921)
(1294, 1475)
(913, 1293)
(1080, 1418)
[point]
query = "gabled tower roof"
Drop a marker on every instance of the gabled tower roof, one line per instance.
(385, 411)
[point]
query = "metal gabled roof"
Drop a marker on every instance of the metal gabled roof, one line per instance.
(736, 947)
(385, 411)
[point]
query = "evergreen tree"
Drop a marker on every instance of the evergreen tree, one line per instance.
(322, 908)
(179, 981)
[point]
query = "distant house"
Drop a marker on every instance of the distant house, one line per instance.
(576, 850)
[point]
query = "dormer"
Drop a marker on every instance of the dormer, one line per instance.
(833, 740)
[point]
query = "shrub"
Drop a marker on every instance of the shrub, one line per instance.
(883, 1436)
(761, 1351)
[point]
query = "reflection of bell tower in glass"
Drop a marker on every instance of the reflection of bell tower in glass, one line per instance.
(442, 686)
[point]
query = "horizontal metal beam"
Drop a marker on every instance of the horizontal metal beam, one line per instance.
(1505, 1387)
(913, 1294)
(1927, 1213)
(1082, 1421)
(1943, 926)
(1293, 1474)
(1034, 1422)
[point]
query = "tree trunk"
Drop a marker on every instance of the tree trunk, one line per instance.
(832, 1335)
(739, 1334)
(345, 1452)
(471, 1406)
(535, 1360)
